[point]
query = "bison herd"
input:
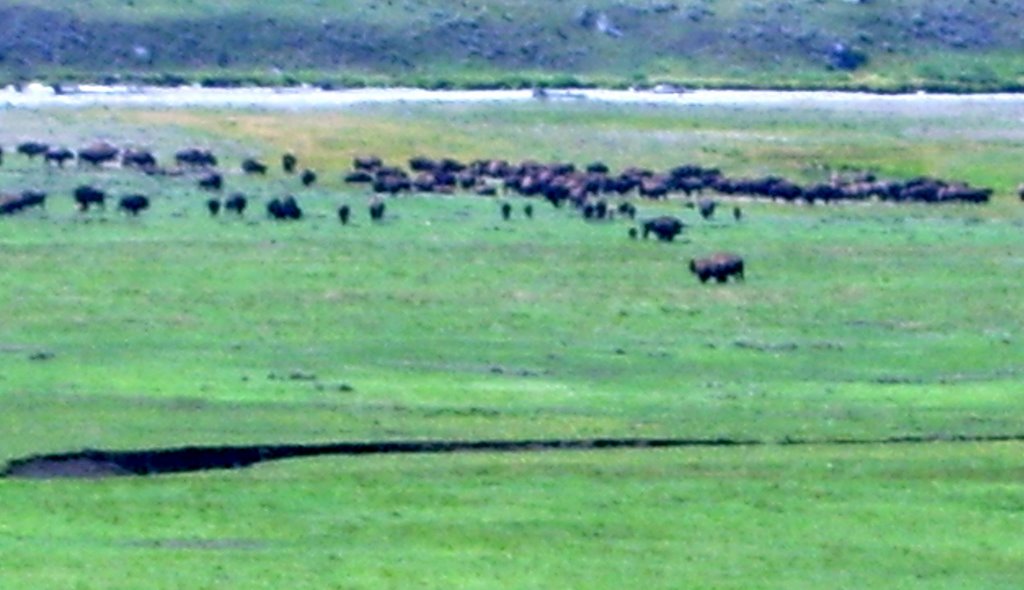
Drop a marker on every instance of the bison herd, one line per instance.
(589, 189)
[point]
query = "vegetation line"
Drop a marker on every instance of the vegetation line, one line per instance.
(100, 463)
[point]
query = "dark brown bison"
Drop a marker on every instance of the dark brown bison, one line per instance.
(506, 211)
(665, 228)
(86, 196)
(11, 204)
(133, 204)
(142, 159)
(706, 207)
(288, 163)
(368, 163)
(32, 148)
(253, 166)
(98, 153)
(719, 266)
(344, 212)
(308, 177)
(358, 176)
(195, 157)
(376, 208)
(288, 208)
(213, 206)
(237, 203)
(58, 155)
(211, 181)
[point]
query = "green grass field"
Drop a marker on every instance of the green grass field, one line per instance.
(855, 321)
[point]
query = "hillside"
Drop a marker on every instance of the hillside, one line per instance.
(877, 44)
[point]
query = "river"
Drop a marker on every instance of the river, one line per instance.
(41, 96)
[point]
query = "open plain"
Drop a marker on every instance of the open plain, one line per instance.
(865, 321)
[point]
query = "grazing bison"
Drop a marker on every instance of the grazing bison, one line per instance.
(213, 205)
(368, 163)
(32, 148)
(133, 204)
(211, 181)
(11, 204)
(253, 166)
(288, 163)
(288, 208)
(665, 228)
(142, 159)
(627, 209)
(237, 203)
(86, 196)
(195, 157)
(308, 177)
(376, 208)
(98, 153)
(720, 266)
(58, 155)
(343, 214)
(358, 176)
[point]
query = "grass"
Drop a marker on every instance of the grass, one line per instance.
(861, 321)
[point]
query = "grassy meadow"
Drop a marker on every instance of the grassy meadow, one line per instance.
(858, 321)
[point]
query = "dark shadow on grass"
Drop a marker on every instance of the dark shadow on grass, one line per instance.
(98, 463)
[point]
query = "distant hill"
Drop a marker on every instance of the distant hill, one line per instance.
(880, 44)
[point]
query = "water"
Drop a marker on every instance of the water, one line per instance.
(300, 98)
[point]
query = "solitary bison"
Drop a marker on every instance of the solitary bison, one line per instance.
(721, 266)
(253, 166)
(665, 228)
(288, 162)
(133, 204)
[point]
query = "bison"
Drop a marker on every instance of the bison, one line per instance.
(58, 155)
(236, 202)
(288, 163)
(719, 266)
(142, 159)
(376, 208)
(343, 214)
(506, 211)
(253, 166)
(368, 163)
(32, 148)
(195, 157)
(86, 196)
(211, 181)
(98, 153)
(288, 208)
(665, 228)
(706, 207)
(133, 204)
(213, 206)
(308, 177)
